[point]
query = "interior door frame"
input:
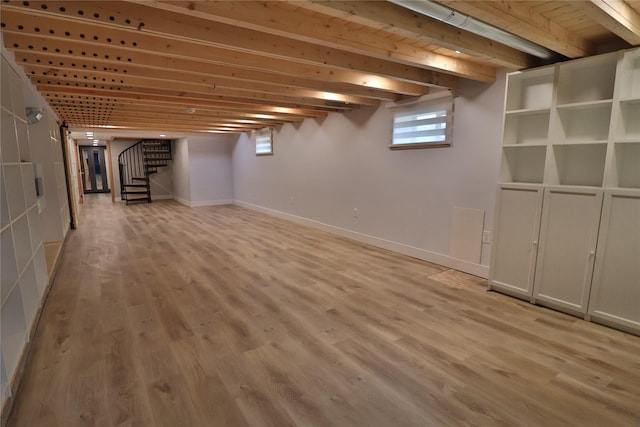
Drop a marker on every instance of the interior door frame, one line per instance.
(105, 175)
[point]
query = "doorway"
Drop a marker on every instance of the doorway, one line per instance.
(93, 168)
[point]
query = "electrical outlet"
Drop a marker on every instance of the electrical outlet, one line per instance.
(355, 212)
(291, 202)
(486, 237)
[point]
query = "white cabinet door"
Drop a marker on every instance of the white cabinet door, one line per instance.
(615, 296)
(516, 229)
(568, 238)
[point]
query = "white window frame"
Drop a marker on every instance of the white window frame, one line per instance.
(425, 123)
(264, 142)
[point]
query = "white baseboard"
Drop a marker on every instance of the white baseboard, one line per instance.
(203, 202)
(434, 257)
(153, 197)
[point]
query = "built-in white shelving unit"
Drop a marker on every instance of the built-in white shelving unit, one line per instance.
(24, 271)
(570, 187)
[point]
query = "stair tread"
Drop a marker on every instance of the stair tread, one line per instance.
(146, 199)
(136, 185)
(140, 178)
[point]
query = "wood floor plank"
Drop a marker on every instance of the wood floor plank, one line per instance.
(165, 315)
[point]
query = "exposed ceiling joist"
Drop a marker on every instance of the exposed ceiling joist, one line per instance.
(405, 23)
(515, 17)
(616, 15)
(263, 17)
(167, 32)
(241, 81)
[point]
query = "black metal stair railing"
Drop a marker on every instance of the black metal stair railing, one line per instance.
(136, 163)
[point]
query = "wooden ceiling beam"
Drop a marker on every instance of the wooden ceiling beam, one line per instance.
(148, 115)
(616, 16)
(58, 96)
(132, 126)
(515, 17)
(275, 94)
(152, 108)
(71, 101)
(160, 32)
(282, 20)
(197, 92)
(394, 19)
(221, 76)
(167, 56)
(169, 99)
(120, 118)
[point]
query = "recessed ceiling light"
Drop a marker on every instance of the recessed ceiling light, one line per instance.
(457, 51)
(162, 134)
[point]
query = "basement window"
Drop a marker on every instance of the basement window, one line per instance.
(426, 123)
(264, 142)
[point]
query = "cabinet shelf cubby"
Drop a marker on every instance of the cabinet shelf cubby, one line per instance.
(22, 242)
(584, 122)
(23, 141)
(530, 127)
(13, 329)
(5, 220)
(531, 90)
(579, 164)
(523, 164)
(587, 80)
(9, 272)
(630, 76)
(627, 164)
(14, 189)
(629, 120)
(9, 141)
(29, 293)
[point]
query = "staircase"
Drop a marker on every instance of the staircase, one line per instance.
(137, 163)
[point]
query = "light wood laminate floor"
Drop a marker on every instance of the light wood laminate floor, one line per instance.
(163, 315)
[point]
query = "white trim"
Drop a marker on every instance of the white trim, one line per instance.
(434, 257)
(182, 201)
(212, 203)
(203, 202)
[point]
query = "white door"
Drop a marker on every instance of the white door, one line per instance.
(568, 238)
(517, 224)
(615, 296)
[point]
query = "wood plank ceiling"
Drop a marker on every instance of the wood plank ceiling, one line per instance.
(232, 66)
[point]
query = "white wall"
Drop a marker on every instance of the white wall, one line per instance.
(322, 170)
(202, 173)
(161, 182)
(210, 170)
(180, 171)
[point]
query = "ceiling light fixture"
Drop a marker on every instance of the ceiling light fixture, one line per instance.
(162, 135)
(460, 20)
